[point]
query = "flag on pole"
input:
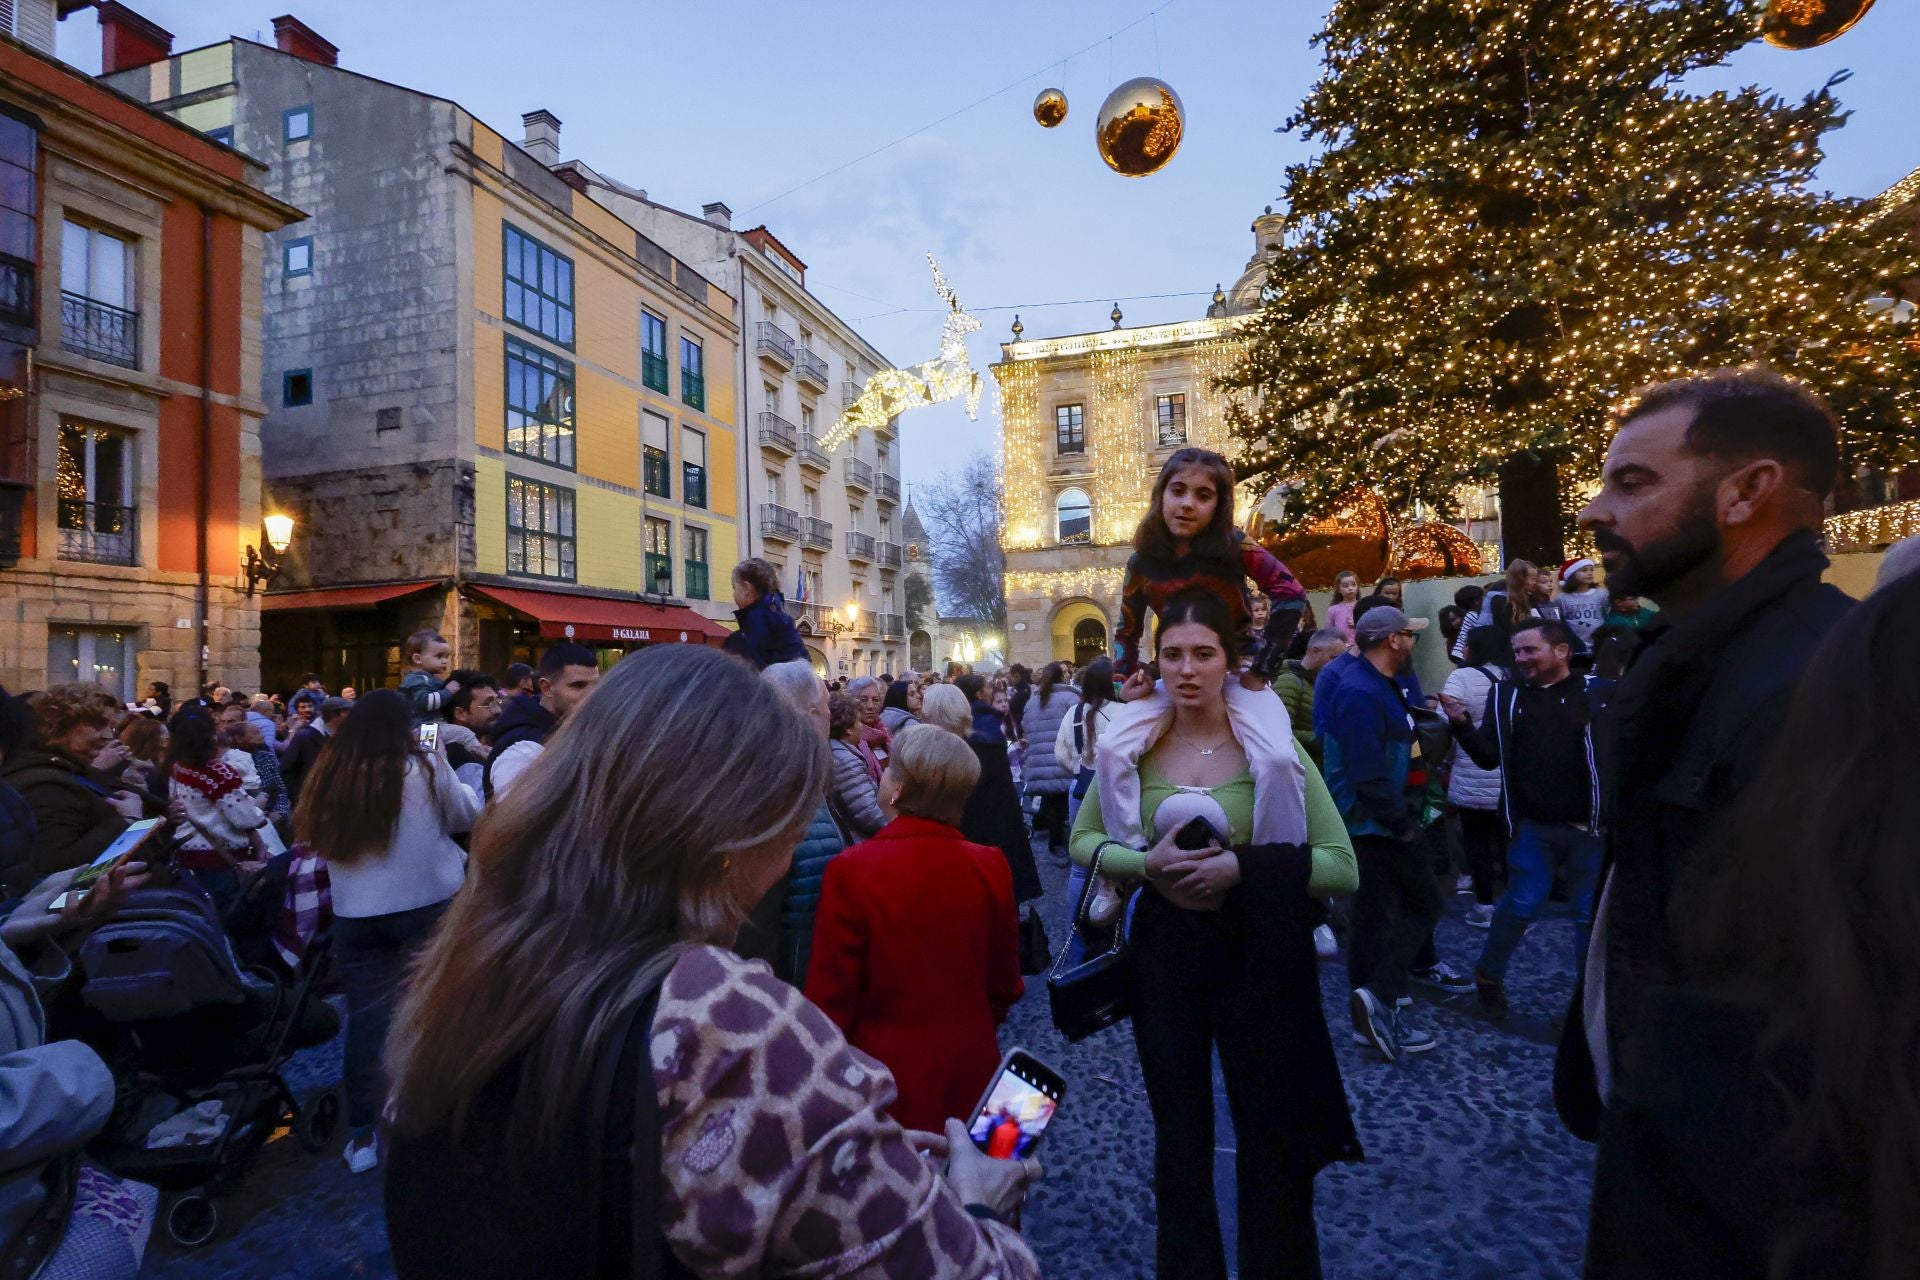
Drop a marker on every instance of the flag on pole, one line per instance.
(800, 595)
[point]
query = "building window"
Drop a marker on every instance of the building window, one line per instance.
(776, 488)
(296, 124)
(539, 287)
(96, 655)
(1074, 516)
(693, 466)
(1171, 414)
(809, 501)
(539, 529)
(696, 547)
(296, 388)
(19, 221)
(222, 135)
(97, 318)
(693, 371)
(659, 557)
(1070, 428)
(655, 472)
(96, 513)
(806, 422)
(296, 257)
(539, 405)
(653, 351)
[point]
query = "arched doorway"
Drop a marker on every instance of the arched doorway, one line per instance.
(819, 661)
(1089, 641)
(920, 651)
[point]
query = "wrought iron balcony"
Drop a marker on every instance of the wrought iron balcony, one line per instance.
(697, 579)
(812, 456)
(808, 617)
(773, 343)
(813, 369)
(849, 393)
(779, 523)
(860, 546)
(100, 330)
(886, 487)
(859, 474)
(887, 554)
(777, 433)
(99, 532)
(653, 371)
(693, 390)
(815, 532)
(893, 626)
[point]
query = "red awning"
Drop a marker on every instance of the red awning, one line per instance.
(342, 597)
(597, 618)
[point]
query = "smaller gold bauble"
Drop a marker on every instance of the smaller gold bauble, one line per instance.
(1806, 24)
(1140, 126)
(1050, 108)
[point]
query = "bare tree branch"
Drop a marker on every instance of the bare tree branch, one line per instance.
(964, 514)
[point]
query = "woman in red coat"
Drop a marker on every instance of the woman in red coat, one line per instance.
(916, 952)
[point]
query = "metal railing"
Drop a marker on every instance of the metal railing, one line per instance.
(886, 487)
(657, 565)
(812, 369)
(779, 522)
(812, 455)
(769, 339)
(99, 532)
(816, 532)
(813, 615)
(888, 554)
(860, 546)
(892, 626)
(859, 474)
(777, 433)
(100, 330)
(693, 390)
(653, 371)
(849, 393)
(696, 579)
(693, 484)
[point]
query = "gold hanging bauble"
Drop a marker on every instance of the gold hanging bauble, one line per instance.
(1433, 550)
(1050, 108)
(1139, 127)
(1356, 535)
(1804, 24)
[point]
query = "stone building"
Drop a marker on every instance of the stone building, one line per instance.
(829, 521)
(130, 359)
(493, 406)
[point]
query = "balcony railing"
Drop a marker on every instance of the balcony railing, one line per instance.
(773, 343)
(99, 532)
(697, 580)
(655, 475)
(815, 532)
(887, 554)
(693, 390)
(657, 566)
(653, 371)
(1173, 429)
(813, 369)
(849, 393)
(779, 522)
(886, 487)
(100, 330)
(777, 433)
(812, 456)
(892, 626)
(693, 484)
(859, 474)
(860, 546)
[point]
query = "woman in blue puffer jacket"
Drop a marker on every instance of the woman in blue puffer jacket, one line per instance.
(1053, 700)
(799, 894)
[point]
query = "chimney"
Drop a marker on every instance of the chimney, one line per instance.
(542, 138)
(302, 41)
(129, 40)
(718, 214)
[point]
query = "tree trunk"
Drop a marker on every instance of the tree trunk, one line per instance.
(1530, 526)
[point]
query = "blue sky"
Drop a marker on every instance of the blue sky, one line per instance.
(746, 101)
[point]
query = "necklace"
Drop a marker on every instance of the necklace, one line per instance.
(1205, 751)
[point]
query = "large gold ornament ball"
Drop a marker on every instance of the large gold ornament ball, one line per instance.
(1805, 24)
(1140, 126)
(1050, 108)
(1356, 534)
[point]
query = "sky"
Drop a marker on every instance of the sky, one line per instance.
(764, 105)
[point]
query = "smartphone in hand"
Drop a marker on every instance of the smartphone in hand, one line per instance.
(1017, 1108)
(1198, 834)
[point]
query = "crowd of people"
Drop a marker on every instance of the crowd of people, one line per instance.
(697, 965)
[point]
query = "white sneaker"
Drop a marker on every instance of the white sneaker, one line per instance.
(1324, 944)
(1105, 905)
(1480, 916)
(362, 1154)
(1463, 884)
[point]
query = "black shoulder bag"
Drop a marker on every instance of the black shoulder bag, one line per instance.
(1090, 990)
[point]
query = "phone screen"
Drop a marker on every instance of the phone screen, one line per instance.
(1018, 1107)
(429, 735)
(123, 845)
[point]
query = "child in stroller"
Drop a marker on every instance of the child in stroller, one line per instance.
(197, 1043)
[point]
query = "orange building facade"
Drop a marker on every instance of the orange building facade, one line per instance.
(130, 491)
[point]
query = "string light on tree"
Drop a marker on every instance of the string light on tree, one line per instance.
(892, 392)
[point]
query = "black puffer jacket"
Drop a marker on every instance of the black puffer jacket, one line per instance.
(1691, 723)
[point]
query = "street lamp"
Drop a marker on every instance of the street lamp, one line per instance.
(662, 586)
(837, 628)
(259, 569)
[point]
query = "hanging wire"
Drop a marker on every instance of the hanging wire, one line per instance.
(960, 111)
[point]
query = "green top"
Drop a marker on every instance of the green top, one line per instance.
(1335, 870)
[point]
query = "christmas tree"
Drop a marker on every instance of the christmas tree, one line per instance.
(1520, 214)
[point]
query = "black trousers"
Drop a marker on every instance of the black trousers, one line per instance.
(1484, 833)
(1188, 1001)
(1393, 915)
(1053, 820)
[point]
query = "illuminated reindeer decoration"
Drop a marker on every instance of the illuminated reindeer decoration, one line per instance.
(894, 391)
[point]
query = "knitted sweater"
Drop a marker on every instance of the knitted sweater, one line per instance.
(1151, 584)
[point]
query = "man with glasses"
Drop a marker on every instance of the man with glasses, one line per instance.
(1368, 739)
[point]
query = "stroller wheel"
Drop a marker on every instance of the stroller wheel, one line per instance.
(319, 1116)
(192, 1220)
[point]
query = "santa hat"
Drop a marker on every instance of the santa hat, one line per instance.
(1572, 567)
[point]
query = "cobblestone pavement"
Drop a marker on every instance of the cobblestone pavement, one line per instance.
(1468, 1172)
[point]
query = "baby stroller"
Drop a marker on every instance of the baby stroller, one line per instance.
(197, 1044)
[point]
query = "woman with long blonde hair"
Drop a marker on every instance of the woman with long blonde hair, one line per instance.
(586, 1080)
